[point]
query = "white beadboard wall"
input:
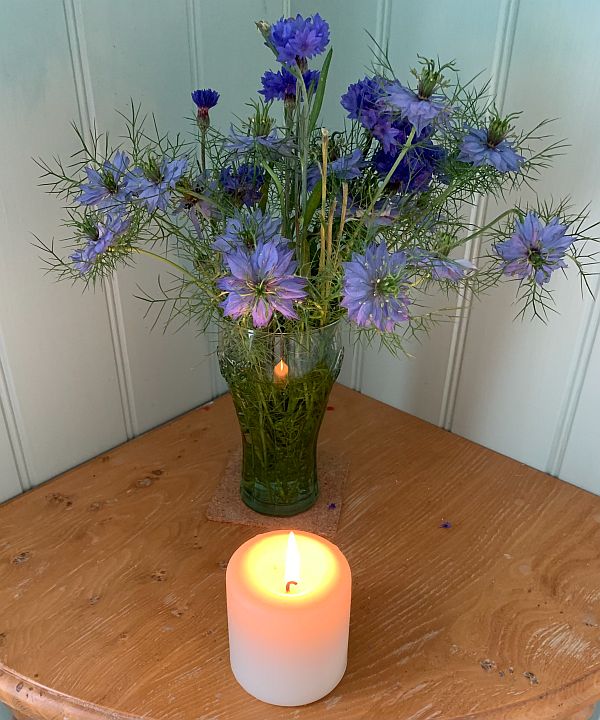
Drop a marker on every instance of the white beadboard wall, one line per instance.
(80, 373)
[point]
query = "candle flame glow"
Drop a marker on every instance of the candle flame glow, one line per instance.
(292, 563)
(280, 371)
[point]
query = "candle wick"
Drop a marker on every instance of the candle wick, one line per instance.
(287, 585)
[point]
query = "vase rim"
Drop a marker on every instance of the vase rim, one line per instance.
(225, 323)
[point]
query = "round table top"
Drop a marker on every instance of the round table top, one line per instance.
(476, 580)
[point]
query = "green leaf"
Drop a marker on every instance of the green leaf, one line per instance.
(313, 203)
(320, 93)
(275, 179)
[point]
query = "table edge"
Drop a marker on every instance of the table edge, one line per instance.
(50, 704)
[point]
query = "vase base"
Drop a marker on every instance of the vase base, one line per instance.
(277, 510)
(226, 505)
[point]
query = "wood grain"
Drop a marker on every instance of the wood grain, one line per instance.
(112, 581)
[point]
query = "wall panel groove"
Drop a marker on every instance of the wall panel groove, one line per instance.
(197, 74)
(505, 36)
(582, 355)
(9, 403)
(87, 121)
(12, 420)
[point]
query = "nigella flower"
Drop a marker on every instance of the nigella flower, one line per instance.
(375, 288)
(261, 283)
(282, 85)
(382, 129)
(100, 239)
(478, 150)
(205, 100)
(244, 183)
(385, 213)
(348, 167)
(421, 112)
(535, 250)
(345, 168)
(197, 194)
(441, 267)
(152, 188)
(299, 38)
(241, 144)
(106, 188)
(248, 228)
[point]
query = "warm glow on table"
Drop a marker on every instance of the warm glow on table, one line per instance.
(288, 607)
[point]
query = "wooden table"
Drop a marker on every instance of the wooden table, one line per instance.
(476, 581)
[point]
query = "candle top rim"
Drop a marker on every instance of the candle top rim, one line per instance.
(260, 565)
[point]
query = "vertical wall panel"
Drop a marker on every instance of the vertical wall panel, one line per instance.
(516, 375)
(580, 464)
(57, 341)
(169, 372)
(414, 383)
(9, 478)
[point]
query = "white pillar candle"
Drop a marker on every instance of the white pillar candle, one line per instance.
(288, 627)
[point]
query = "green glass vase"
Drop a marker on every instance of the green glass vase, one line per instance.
(280, 385)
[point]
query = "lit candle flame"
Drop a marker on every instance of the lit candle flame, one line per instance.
(292, 563)
(280, 371)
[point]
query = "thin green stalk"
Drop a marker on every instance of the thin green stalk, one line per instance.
(481, 230)
(278, 185)
(391, 172)
(288, 110)
(385, 182)
(162, 258)
(203, 150)
(303, 110)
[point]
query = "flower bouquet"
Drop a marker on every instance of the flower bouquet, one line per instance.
(279, 228)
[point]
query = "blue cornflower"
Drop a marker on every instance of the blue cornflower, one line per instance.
(366, 101)
(106, 188)
(421, 112)
(103, 236)
(153, 188)
(248, 228)
(361, 97)
(244, 183)
(535, 250)
(282, 85)
(375, 288)
(261, 283)
(299, 38)
(477, 149)
(241, 144)
(414, 172)
(441, 267)
(204, 100)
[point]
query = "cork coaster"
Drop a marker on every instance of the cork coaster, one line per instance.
(322, 518)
